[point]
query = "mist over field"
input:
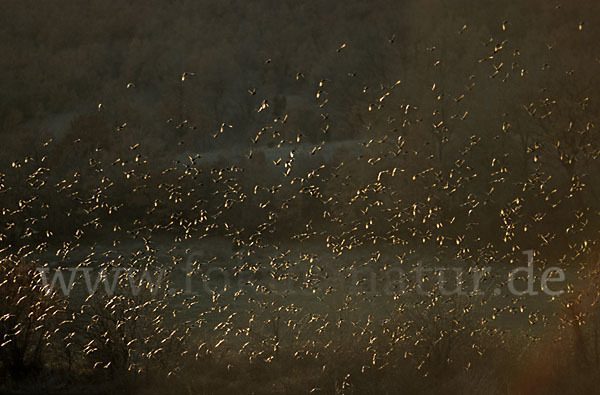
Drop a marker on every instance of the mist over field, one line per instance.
(276, 197)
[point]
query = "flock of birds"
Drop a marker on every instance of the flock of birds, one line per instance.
(292, 248)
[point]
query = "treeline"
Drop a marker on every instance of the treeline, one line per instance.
(447, 129)
(466, 126)
(62, 59)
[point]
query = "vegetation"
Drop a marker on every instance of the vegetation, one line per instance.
(288, 161)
